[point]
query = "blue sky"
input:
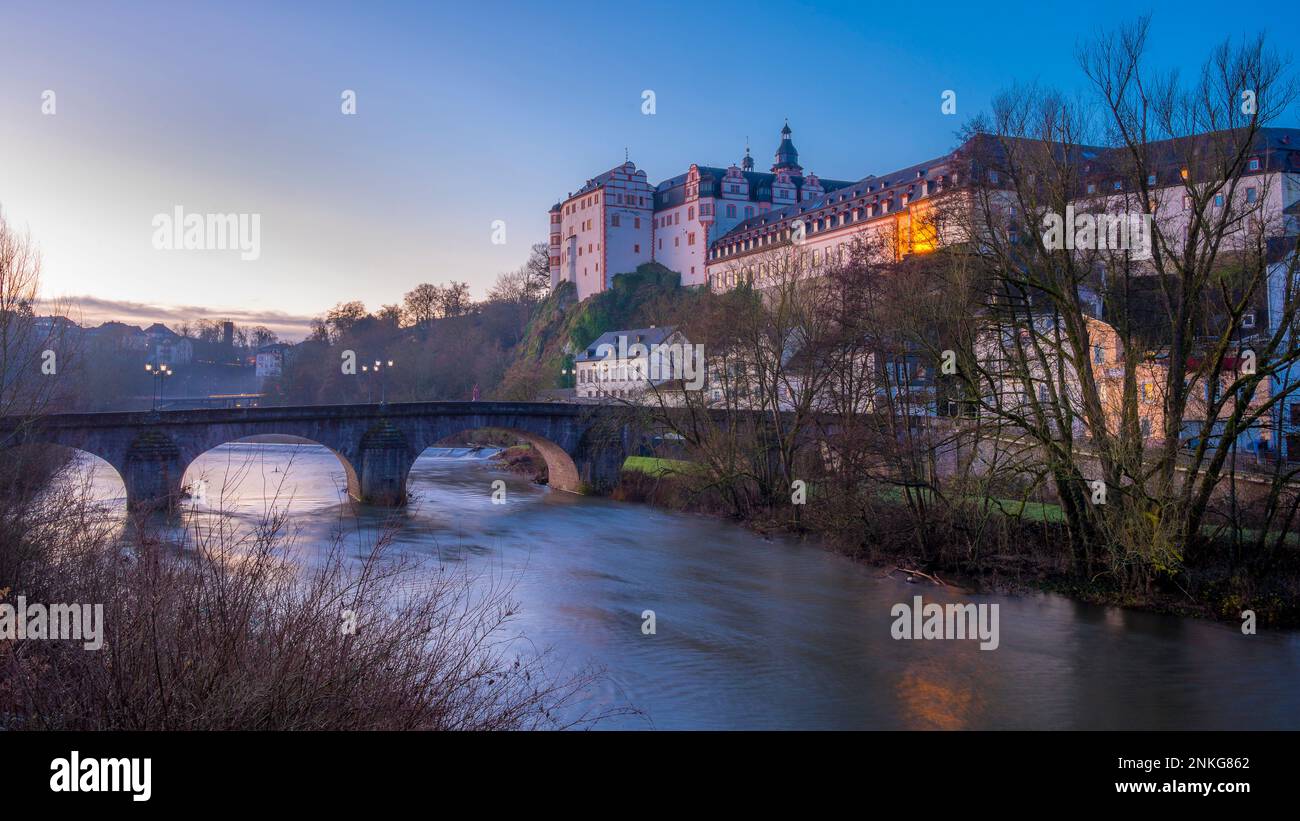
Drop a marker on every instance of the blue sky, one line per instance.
(466, 113)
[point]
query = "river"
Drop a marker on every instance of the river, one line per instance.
(768, 633)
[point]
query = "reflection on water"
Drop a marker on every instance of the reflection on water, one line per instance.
(760, 633)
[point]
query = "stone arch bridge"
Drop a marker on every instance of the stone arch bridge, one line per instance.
(584, 445)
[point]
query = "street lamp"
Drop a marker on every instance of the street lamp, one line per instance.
(379, 368)
(159, 373)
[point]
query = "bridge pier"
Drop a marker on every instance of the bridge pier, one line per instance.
(600, 463)
(385, 462)
(153, 473)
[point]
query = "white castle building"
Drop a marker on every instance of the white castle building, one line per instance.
(716, 226)
(719, 227)
(618, 221)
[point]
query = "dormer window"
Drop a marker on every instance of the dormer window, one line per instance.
(1253, 165)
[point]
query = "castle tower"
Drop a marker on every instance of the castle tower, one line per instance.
(787, 157)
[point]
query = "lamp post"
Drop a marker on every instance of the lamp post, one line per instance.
(379, 368)
(159, 373)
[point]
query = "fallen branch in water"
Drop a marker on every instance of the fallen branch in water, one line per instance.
(934, 579)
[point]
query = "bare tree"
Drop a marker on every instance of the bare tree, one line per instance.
(343, 317)
(454, 300)
(260, 336)
(527, 283)
(422, 304)
(538, 268)
(34, 351)
(1125, 371)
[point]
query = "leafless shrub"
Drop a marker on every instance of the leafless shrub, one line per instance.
(238, 632)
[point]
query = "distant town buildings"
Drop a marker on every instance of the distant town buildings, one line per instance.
(168, 347)
(270, 359)
(219, 369)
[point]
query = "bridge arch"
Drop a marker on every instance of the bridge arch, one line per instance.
(33, 459)
(190, 481)
(561, 469)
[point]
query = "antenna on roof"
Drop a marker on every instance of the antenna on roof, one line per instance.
(625, 153)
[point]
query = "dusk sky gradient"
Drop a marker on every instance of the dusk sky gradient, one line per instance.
(467, 113)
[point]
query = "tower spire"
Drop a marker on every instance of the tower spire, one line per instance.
(787, 157)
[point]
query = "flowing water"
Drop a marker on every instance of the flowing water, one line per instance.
(767, 633)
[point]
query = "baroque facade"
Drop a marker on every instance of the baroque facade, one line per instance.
(617, 220)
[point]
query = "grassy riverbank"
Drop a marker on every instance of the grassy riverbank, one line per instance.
(1007, 545)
